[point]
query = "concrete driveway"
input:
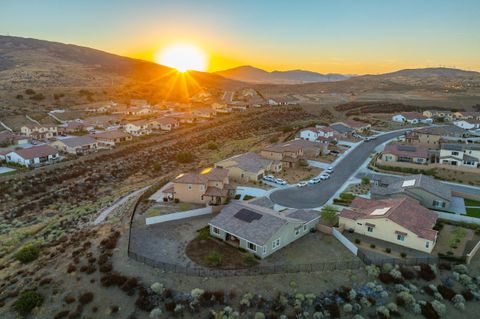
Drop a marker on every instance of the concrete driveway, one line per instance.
(313, 196)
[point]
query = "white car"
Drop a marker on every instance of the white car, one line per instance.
(329, 170)
(280, 181)
(315, 180)
(302, 184)
(324, 176)
(269, 178)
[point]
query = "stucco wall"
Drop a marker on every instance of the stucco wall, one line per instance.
(193, 195)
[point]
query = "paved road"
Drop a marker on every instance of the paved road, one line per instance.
(312, 196)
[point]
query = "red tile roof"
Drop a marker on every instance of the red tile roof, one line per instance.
(403, 211)
(36, 151)
(406, 151)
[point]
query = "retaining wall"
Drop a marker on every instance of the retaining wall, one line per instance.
(179, 215)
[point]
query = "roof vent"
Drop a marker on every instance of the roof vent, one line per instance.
(408, 183)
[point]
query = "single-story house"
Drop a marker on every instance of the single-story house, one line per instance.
(467, 115)
(138, 128)
(312, 134)
(39, 131)
(356, 126)
(205, 113)
(211, 186)
(411, 118)
(260, 230)
(426, 190)
(468, 124)
(112, 138)
(167, 123)
(402, 221)
(248, 167)
(394, 152)
(33, 156)
(78, 145)
(443, 114)
(8, 138)
(340, 130)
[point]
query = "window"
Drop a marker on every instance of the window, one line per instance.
(276, 243)
(437, 203)
(427, 244)
(454, 153)
(216, 230)
(400, 237)
(202, 187)
(370, 229)
(264, 250)
(305, 227)
(359, 224)
(251, 246)
(189, 186)
(297, 232)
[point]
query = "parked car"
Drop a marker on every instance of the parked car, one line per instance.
(329, 170)
(269, 178)
(324, 176)
(280, 181)
(315, 180)
(301, 184)
(335, 152)
(370, 138)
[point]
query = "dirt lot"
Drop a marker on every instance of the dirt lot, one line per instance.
(297, 174)
(454, 239)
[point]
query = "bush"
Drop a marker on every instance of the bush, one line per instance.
(37, 97)
(386, 278)
(30, 92)
(403, 255)
(28, 253)
(249, 260)
(85, 298)
(372, 246)
(388, 250)
(348, 197)
(212, 146)
(365, 180)
(357, 241)
(273, 139)
(214, 259)
(185, 157)
(27, 301)
(446, 292)
(203, 233)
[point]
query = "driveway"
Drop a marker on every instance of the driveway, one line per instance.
(313, 196)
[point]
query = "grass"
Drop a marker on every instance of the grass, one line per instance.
(473, 212)
(152, 212)
(185, 206)
(247, 197)
(471, 202)
(456, 236)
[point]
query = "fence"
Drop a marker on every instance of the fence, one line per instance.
(344, 240)
(411, 261)
(459, 218)
(254, 271)
(177, 216)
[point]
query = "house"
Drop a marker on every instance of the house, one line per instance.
(138, 110)
(78, 145)
(468, 124)
(39, 131)
(8, 138)
(112, 138)
(467, 115)
(205, 113)
(355, 126)
(433, 136)
(72, 128)
(426, 190)
(33, 156)
(138, 128)
(101, 121)
(405, 153)
(249, 167)
(261, 230)
(439, 114)
(288, 153)
(99, 107)
(211, 186)
(402, 221)
(167, 123)
(184, 118)
(412, 118)
(311, 149)
(340, 130)
(313, 133)
(466, 155)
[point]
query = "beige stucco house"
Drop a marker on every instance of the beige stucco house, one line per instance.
(211, 186)
(401, 221)
(249, 167)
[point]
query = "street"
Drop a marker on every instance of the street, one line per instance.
(316, 195)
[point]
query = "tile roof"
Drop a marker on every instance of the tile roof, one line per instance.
(260, 230)
(340, 128)
(111, 134)
(460, 147)
(424, 182)
(406, 150)
(36, 151)
(249, 162)
(213, 174)
(78, 141)
(403, 211)
(449, 130)
(414, 116)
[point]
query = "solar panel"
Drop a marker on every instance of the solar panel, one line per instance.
(405, 148)
(247, 215)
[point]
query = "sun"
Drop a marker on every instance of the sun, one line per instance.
(182, 57)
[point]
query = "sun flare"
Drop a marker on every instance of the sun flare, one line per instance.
(182, 57)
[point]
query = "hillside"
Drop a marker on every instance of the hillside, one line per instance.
(64, 69)
(251, 74)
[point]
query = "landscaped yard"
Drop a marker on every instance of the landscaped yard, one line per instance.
(452, 240)
(470, 202)
(473, 212)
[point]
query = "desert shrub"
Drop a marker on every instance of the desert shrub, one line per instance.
(185, 157)
(446, 292)
(214, 259)
(357, 241)
(27, 301)
(388, 250)
(467, 295)
(69, 299)
(144, 301)
(426, 273)
(386, 278)
(334, 310)
(212, 146)
(106, 267)
(114, 309)
(407, 273)
(428, 311)
(30, 92)
(365, 180)
(372, 246)
(71, 268)
(249, 260)
(28, 253)
(61, 314)
(85, 298)
(203, 233)
(37, 97)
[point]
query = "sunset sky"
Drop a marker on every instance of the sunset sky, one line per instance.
(344, 36)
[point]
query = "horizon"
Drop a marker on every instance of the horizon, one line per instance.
(348, 37)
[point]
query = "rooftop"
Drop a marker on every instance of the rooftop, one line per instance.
(36, 151)
(249, 162)
(406, 150)
(78, 141)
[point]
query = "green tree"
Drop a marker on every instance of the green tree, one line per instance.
(27, 301)
(214, 259)
(28, 253)
(365, 180)
(329, 215)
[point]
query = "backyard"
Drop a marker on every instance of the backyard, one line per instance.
(454, 240)
(473, 208)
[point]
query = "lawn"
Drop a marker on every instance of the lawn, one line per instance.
(470, 202)
(473, 212)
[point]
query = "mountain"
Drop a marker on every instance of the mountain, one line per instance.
(251, 74)
(56, 68)
(429, 72)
